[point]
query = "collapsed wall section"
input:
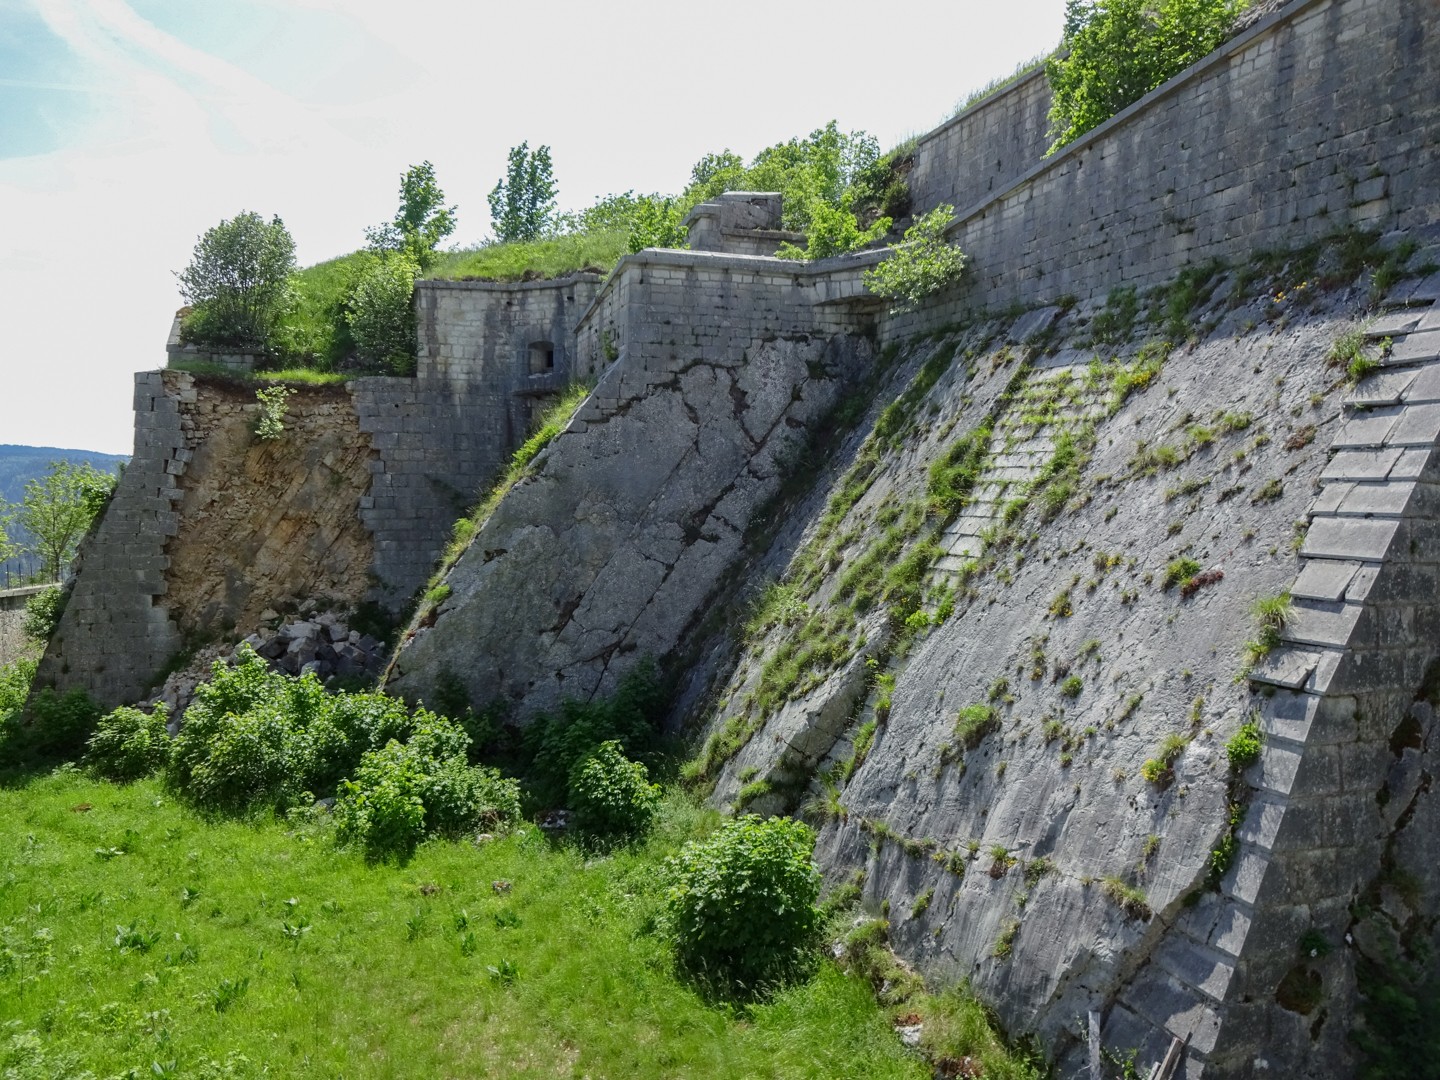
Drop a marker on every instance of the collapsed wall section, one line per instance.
(1319, 117)
(210, 526)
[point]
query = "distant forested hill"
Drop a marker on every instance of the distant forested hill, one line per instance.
(20, 464)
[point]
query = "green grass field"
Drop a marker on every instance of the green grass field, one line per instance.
(138, 939)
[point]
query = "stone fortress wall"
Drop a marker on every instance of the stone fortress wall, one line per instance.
(1322, 115)
(13, 644)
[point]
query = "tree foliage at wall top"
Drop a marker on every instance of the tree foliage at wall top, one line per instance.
(1114, 52)
(824, 177)
(522, 206)
(421, 222)
(238, 282)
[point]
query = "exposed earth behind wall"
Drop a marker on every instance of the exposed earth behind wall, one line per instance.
(1088, 608)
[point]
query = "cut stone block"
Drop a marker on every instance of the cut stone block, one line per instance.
(1431, 318)
(1395, 322)
(1330, 498)
(1424, 387)
(1360, 584)
(1418, 426)
(1349, 538)
(1288, 717)
(1246, 876)
(1323, 579)
(1360, 465)
(1368, 428)
(1277, 768)
(1312, 623)
(1285, 667)
(1196, 966)
(1411, 463)
(1384, 500)
(1413, 349)
(1262, 823)
(1382, 388)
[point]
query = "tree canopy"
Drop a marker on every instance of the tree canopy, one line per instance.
(57, 510)
(238, 281)
(1114, 52)
(421, 222)
(522, 205)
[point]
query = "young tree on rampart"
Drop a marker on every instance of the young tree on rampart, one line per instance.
(238, 282)
(421, 222)
(522, 206)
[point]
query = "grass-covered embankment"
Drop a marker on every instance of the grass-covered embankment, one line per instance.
(135, 933)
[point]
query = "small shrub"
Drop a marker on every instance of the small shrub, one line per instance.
(270, 423)
(1243, 748)
(1179, 572)
(61, 723)
(611, 796)
(381, 317)
(1072, 686)
(741, 905)
(974, 723)
(924, 263)
(403, 793)
(42, 613)
(129, 744)
(555, 744)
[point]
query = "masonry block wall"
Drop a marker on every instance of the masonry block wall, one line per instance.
(660, 305)
(1319, 117)
(983, 149)
(13, 643)
(116, 632)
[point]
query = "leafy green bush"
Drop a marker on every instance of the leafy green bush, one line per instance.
(380, 315)
(270, 421)
(42, 613)
(1116, 51)
(402, 793)
(741, 904)
(60, 723)
(254, 737)
(611, 797)
(1243, 748)
(129, 744)
(834, 231)
(238, 282)
(556, 744)
(924, 263)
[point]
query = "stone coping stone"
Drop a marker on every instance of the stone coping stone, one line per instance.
(1368, 428)
(1348, 538)
(1419, 425)
(1318, 622)
(1424, 387)
(1289, 668)
(1323, 579)
(1381, 388)
(1413, 348)
(1395, 322)
(1377, 500)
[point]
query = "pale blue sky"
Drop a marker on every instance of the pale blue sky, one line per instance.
(128, 128)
